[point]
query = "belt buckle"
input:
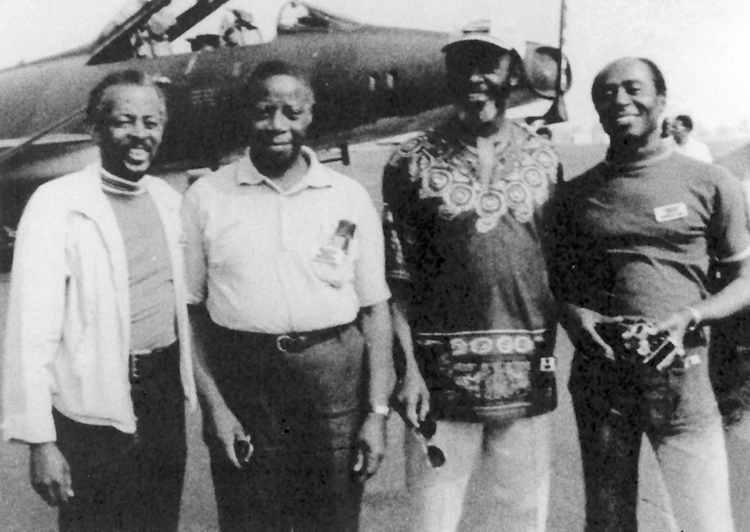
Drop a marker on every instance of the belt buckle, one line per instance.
(283, 343)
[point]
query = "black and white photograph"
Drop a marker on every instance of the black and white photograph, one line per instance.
(375, 266)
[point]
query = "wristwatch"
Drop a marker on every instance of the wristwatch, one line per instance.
(381, 410)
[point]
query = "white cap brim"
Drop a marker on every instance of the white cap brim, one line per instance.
(480, 38)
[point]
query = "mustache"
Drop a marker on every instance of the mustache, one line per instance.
(142, 144)
(497, 93)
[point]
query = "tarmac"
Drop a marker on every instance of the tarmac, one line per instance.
(385, 508)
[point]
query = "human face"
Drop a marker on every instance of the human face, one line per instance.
(679, 131)
(479, 75)
(279, 119)
(626, 100)
(130, 130)
(666, 128)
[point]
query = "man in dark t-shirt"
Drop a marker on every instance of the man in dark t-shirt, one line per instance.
(635, 235)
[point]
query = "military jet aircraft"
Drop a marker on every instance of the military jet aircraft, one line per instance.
(370, 82)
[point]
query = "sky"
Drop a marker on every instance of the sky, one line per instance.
(703, 46)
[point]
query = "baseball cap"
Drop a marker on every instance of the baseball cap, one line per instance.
(495, 31)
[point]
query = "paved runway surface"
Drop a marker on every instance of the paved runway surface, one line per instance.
(22, 511)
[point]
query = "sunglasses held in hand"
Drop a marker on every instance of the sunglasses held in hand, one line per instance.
(425, 432)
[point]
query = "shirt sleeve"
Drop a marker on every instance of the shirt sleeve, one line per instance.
(194, 252)
(565, 249)
(398, 231)
(729, 222)
(34, 327)
(369, 267)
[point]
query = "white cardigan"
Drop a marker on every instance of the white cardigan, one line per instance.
(68, 330)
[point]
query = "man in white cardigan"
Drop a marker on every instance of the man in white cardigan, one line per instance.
(97, 349)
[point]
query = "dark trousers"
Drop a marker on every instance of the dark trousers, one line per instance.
(129, 482)
(302, 411)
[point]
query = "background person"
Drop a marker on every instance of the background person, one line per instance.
(635, 235)
(685, 143)
(97, 348)
(287, 256)
(666, 132)
(464, 220)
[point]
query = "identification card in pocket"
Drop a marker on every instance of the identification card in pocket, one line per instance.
(335, 250)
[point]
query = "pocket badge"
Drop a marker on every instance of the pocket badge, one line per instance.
(671, 212)
(335, 250)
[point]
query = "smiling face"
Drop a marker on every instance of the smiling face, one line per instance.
(279, 119)
(627, 101)
(479, 75)
(130, 129)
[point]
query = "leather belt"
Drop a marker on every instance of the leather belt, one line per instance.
(291, 342)
(143, 365)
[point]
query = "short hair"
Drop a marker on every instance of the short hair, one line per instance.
(686, 121)
(270, 69)
(95, 109)
(660, 84)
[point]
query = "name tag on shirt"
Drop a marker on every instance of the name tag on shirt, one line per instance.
(671, 212)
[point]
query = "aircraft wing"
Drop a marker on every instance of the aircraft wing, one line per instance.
(52, 138)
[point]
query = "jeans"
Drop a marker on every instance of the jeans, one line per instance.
(129, 482)
(614, 407)
(495, 478)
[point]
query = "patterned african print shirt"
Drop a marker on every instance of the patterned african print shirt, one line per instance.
(464, 248)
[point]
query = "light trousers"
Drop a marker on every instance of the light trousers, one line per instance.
(615, 405)
(495, 478)
(693, 462)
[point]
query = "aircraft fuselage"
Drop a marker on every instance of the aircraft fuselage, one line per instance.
(359, 77)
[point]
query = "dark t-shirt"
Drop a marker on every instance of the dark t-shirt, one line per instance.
(637, 240)
(467, 256)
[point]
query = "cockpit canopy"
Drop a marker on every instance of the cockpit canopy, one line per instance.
(155, 28)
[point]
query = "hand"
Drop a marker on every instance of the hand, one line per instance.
(50, 474)
(676, 325)
(226, 428)
(371, 446)
(581, 326)
(413, 398)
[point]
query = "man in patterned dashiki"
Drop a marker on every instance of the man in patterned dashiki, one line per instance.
(464, 226)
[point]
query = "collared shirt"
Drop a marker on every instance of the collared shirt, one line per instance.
(270, 261)
(67, 341)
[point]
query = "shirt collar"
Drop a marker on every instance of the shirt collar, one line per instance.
(118, 186)
(315, 177)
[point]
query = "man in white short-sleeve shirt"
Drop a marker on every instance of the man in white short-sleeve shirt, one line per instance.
(287, 258)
